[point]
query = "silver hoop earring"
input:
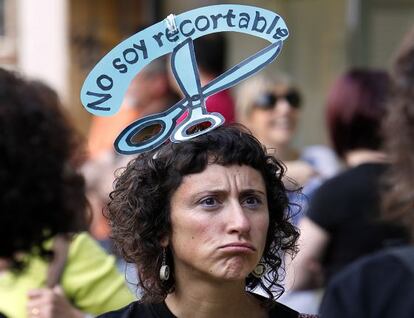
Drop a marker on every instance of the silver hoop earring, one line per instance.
(259, 270)
(165, 269)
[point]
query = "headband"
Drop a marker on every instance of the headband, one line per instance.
(104, 88)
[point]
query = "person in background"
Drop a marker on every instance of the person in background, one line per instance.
(270, 107)
(343, 221)
(149, 92)
(382, 285)
(203, 220)
(99, 175)
(49, 266)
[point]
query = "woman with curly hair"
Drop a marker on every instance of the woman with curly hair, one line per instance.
(42, 202)
(204, 221)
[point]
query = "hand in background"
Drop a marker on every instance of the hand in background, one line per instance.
(50, 303)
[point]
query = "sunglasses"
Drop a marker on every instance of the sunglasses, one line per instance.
(268, 101)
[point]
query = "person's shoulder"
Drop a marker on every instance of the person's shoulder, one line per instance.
(404, 254)
(278, 310)
(385, 270)
(398, 256)
(330, 186)
(374, 286)
(348, 181)
(367, 170)
(339, 178)
(137, 309)
(82, 247)
(282, 311)
(80, 239)
(129, 311)
(398, 260)
(326, 196)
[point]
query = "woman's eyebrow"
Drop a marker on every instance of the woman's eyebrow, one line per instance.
(216, 191)
(222, 190)
(252, 191)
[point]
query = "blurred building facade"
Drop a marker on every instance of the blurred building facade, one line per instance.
(59, 41)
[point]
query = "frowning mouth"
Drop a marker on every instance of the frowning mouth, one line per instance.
(238, 247)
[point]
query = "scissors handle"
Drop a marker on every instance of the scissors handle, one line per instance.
(195, 124)
(149, 132)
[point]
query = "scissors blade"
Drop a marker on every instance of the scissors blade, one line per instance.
(184, 68)
(244, 69)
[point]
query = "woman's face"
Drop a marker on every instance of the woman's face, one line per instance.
(219, 223)
(274, 119)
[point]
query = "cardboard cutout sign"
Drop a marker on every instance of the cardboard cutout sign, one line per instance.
(104, 88)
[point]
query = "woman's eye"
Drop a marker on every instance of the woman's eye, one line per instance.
(209, 202)
(252, 202)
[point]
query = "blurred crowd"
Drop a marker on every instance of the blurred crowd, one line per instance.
(352, 200)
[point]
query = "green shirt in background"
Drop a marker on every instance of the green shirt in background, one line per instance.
(90, 281)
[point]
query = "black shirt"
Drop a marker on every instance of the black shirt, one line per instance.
(377, 286)
(348, 208)
(138, 310)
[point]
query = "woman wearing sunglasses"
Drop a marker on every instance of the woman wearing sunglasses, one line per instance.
(270, 108)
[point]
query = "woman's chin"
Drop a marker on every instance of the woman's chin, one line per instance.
(281, 138)
(235, 271)
(234, 276)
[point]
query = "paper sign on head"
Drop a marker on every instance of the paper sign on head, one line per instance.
(105, 86)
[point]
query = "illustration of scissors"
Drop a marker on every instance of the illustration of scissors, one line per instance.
(151, 131)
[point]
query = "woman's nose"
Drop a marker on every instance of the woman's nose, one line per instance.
(237, 219)
(282, 106)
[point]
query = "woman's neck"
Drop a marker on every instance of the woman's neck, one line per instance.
(201, 299)
(357, 157)
(282, 151)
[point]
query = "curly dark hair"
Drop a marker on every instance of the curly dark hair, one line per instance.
(139, 207)
(41, 193)
(399, 199)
